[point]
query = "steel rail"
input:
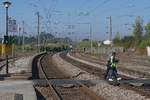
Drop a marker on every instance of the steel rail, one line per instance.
(54, 91)
(92, 95)
(83, 88)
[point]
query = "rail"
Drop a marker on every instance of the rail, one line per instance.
(57, 96)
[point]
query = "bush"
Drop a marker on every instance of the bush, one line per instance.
(86, 44)
(52, 47)
(128, 42)
(144, 43)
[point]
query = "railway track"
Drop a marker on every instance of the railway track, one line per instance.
(3, 64)
(144, 89)
(10, 59)
(121, 67)
(12, 75)
(64, 91)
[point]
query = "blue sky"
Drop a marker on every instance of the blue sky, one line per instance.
(61, 17)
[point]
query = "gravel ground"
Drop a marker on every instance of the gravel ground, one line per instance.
(19, 66)
(102, 66)
(108, 92)
(135, 64)
(43, 93)
(71, 70)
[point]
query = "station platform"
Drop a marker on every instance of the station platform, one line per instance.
(17, 90)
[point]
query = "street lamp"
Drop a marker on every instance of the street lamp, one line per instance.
(6, 5)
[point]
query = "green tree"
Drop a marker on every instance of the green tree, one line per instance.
(85, 43)
(137, 32)
(144, 43)
(147, 29)
(117, 39)
(127, 41)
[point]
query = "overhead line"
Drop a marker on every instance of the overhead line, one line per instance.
(99, 5)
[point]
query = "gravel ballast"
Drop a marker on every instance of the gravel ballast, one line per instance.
(71, 70)
(133, 75)
(129, 67)
(20, 65)
(108, 92)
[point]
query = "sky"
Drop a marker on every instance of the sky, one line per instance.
(72, 18)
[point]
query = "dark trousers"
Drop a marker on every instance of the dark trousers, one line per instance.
(107, 71)
(112, 73)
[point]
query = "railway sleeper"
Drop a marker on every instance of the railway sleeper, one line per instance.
(70, 82)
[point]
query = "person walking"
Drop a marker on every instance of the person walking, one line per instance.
(112, 68)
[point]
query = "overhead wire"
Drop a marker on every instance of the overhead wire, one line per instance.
(47, 12)
(92, 10)
(107, 11)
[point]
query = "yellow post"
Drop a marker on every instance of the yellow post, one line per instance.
(0, 49)
(3, 50)
(6, 49)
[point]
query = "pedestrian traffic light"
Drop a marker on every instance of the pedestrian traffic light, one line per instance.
(6, 40)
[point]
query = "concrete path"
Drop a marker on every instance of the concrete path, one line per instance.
(24, 88)
(17, 86)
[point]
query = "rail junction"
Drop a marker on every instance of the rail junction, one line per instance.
(53, 82)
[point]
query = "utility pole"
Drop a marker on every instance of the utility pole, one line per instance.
(110, 36)
(23, 37)
(91, 36)
(110, 29)
(19, 29)
(38, 31)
